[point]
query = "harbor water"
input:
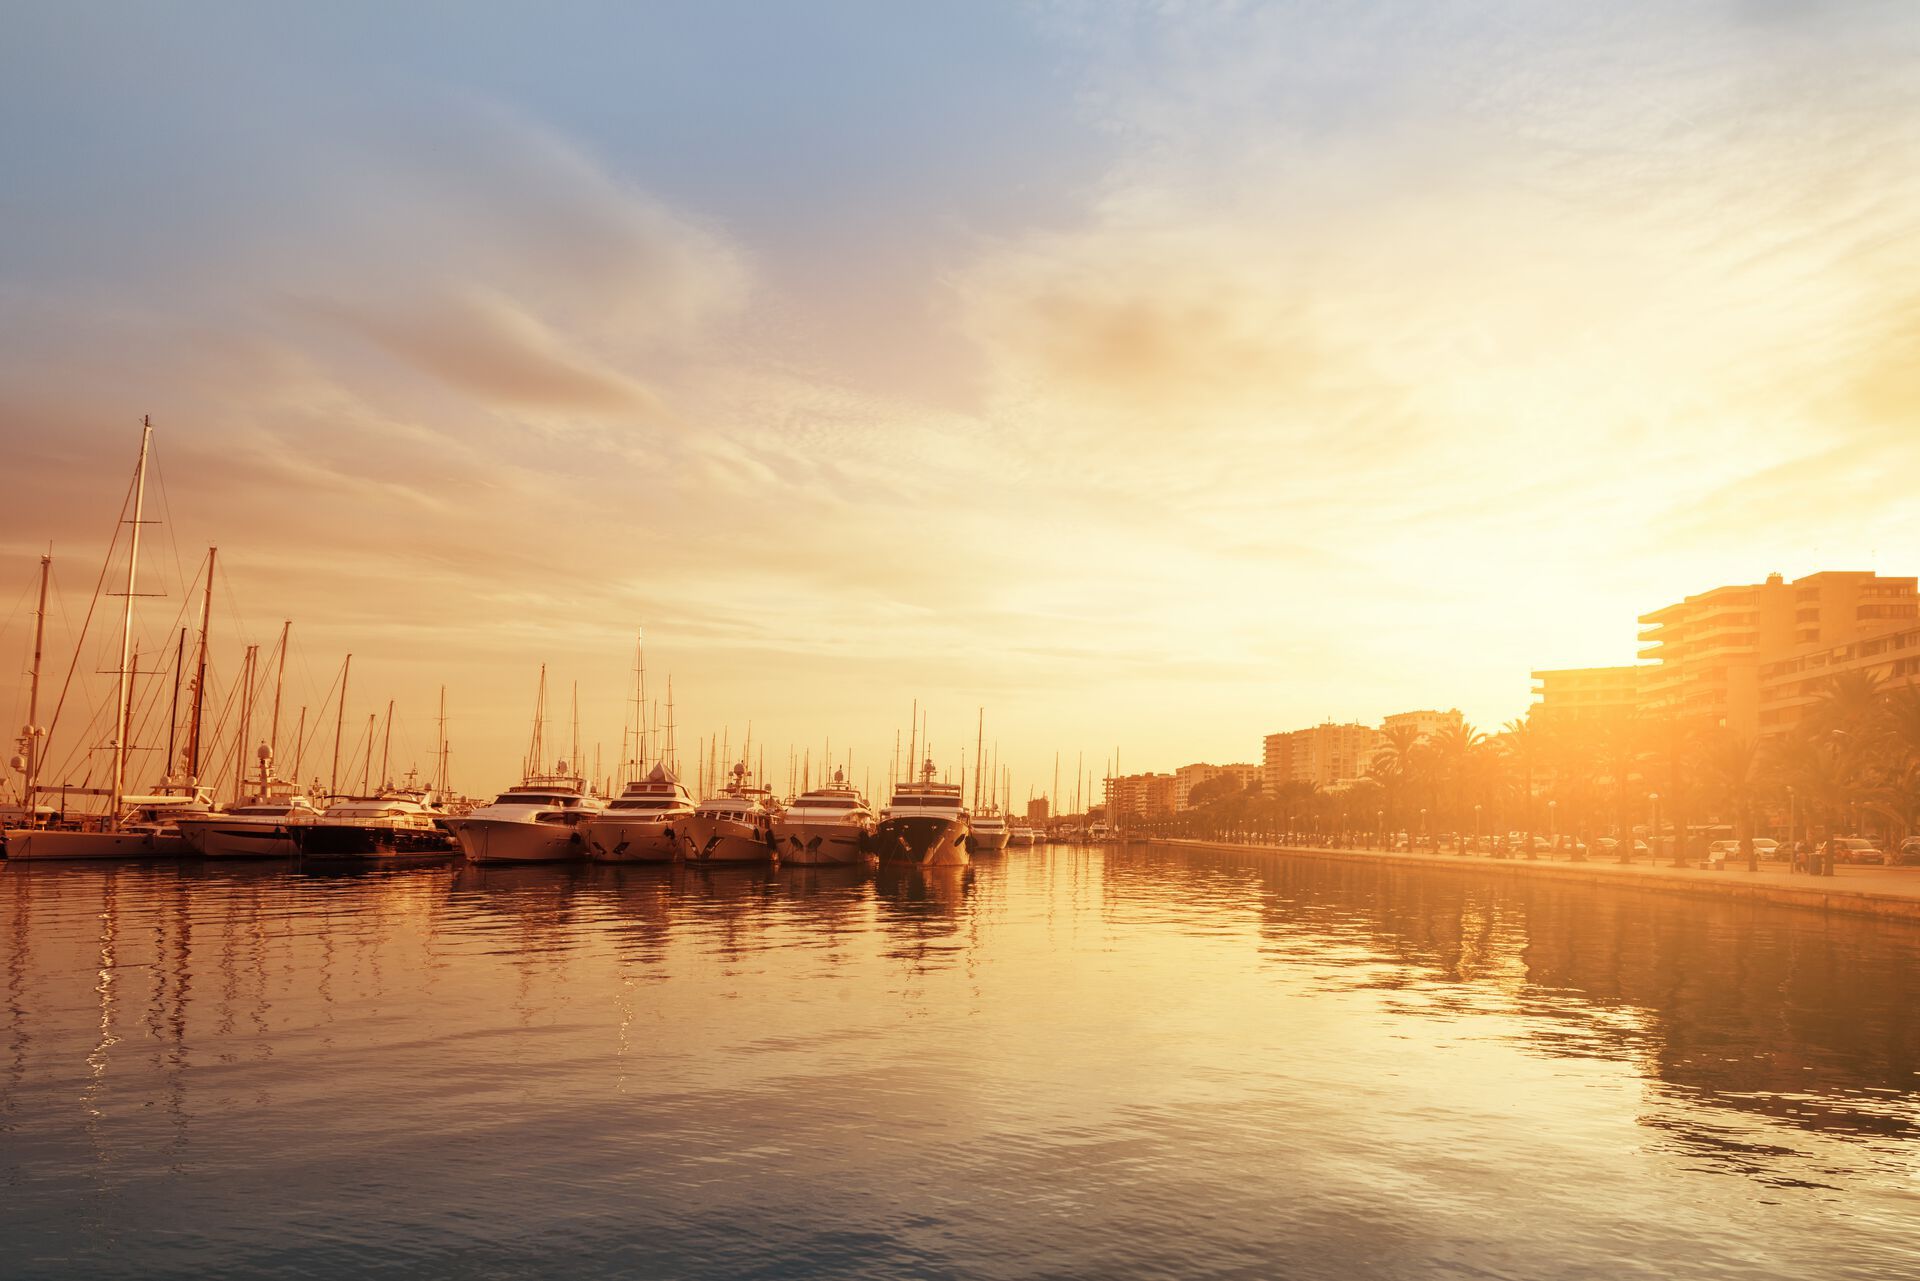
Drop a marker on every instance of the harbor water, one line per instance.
(1063, 1062)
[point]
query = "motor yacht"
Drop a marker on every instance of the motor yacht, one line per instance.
(924, 823)
(399, 825)
(734, 826)
(831, 824)
(261, 826)
(987, 831)
(644, 823)
(539, 821)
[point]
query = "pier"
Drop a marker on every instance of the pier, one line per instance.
(1891, 893)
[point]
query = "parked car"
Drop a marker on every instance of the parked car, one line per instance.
(1767, 847)
(1851, 849)
(1909, 853)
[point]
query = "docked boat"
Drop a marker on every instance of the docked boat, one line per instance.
(735, 826)
(831, 824)
(400, 825)
(147, 827)
(262, 826)
(644, 823)
(924, 823)
(540, 821)
(1022, 834)
(987, 832)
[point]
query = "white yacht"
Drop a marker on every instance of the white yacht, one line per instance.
(644, 823)
(403, 824)
(987, 831)
(540, 821)
(924, 823)
(831, 824)
(1023, 834)
(735, 826)
(262, 826)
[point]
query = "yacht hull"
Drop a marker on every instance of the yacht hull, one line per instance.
(504, 841)
(724, 841)
(347, 843)
(29, 845)
(636, 840)
(988, 842)
(927, 842)
(820, 844)
(213, 839)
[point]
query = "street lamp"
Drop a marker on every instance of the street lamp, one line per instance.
(1792, 828)
(1553, 827)
(1653, 828)
(1423, 825)
(1476, 829)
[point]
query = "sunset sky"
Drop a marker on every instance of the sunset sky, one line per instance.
(1157, 376)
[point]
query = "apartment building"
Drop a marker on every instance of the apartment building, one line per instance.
(1789, 687)
(1585, 695)
(1139, 796)
(1188, 777)
(1708, 650)
(1323, 755)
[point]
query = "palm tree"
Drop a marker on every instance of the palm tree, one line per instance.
(1520, 744)
(1732, 766)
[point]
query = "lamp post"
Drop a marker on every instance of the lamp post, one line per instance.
(1423, 824)
(1653, 828)
(1476, 829)
(1380, 828)
(1553, 827)
(1792, 827)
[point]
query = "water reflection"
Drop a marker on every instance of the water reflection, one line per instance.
(1016, 1067)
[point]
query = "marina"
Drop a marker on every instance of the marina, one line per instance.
(1382, 1059)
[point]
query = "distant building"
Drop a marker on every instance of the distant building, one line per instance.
(1037, 810)
(1139, 796)
(1276, 763)
(1791, 686)
(1708, 650)
(1188, 777)
(1426, 725)
(1585, 695)
(1322, 755)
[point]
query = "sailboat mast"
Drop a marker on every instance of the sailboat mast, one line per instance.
(670, 751)
(126, 623)
(279, 684)
(246, 721)
(440, 770)
(33, 730)
(200, 674)
(575, 758)
(979, 739)
(173, 710)
(386, 750)
(366, 769)
(913, 744)
(339, 724)
(537, 749)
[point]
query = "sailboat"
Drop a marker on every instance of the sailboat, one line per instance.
(137, 825)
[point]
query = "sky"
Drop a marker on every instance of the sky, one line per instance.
(1154, 376)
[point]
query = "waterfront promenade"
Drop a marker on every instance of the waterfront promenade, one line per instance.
(1886, 892)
